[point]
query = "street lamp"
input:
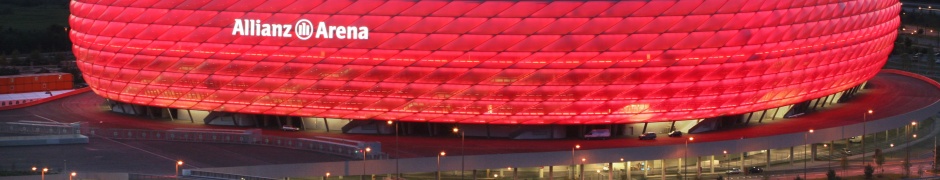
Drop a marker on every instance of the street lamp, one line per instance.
(581, 170)
(829, 159)
(462, 147)
(72, 175)
(397, 155)
(864, 132)
(685, 156)
(805, 143)
(364, 152)
(907, 159)
(576, 146)
(327, 176)
(178, 164)
(43, 173)
(439, 164)
(725, 152)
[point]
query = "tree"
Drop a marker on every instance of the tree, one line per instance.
(14, 57)
(907, 62)
(831, 175)
(57, 59)
(879, 159)
(35, 58)
(908, 42)
(869, 171)
(931, 61)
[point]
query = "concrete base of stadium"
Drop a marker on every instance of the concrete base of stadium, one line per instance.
(507, 131)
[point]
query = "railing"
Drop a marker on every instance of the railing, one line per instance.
(36, 128)
(212, 175)
(149, 177)
(247, 137)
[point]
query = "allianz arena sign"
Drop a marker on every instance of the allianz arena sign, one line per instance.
(303, 30)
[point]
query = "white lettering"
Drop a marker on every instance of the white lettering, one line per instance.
(286, 31)
(266, 30)
(304, 29)
(351, 32)
(238, 29)
(341, 32)
(363, 32)
(321, 30)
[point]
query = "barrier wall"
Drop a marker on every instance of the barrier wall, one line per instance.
(35, 82)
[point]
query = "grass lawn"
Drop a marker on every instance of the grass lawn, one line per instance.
(34, 18)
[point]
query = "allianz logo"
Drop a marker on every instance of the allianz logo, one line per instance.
(303, 29)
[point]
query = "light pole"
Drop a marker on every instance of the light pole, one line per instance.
(72, 175)
(581, 170)
(907, 159)
(178, 164)
(397, 155)
(367, 150)
(685, 156)
(43, 173)
(725, 152)
(864, 129)
(829, 159)
(576, 146)
(805, 143)
(439, 164)
(462, 147)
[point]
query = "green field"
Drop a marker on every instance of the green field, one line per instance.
(33, 18)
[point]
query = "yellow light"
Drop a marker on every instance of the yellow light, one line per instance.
(327, 174)
(726, 152)
(73, 174)
(810, 131)
(577, 146)
(368, 149)
(869, 111)
(455, 129)
(47, 169)
(913, 123)
(621, 159)
(583, 159)
(34, 168)
(389, 122)
(691, 138)
(179, 163)
(443, 153)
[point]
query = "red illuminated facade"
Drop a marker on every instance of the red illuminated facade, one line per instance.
(498, 62)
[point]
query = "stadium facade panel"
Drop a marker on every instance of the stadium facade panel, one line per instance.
(498, 62)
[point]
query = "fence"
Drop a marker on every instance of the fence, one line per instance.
(247, 137)
(212, 175)
(37, 128)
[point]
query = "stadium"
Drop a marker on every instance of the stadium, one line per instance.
(516, 69)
